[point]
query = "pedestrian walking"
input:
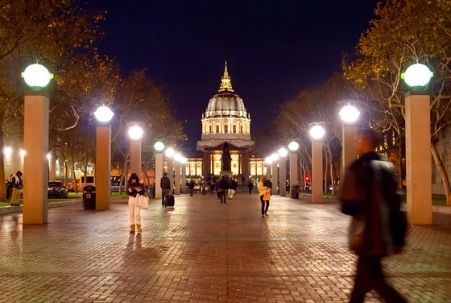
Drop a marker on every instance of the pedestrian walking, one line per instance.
(232, 186)
(261, 192)
(191, 187)
(218, 188)
(378, 227)
(224, 188)
(17, 187)
(165, 185)
(134, 188)
(250, 186)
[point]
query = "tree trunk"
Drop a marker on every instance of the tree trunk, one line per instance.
(442, 170)
(74, 176)
(2, 164)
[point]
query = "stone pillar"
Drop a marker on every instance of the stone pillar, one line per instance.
(135, 157)
(170, 164)
(349, 152)
(177, 177)
(418, 159)
(282, 176)
(36, 144)
(103, 167)
(183, 181)
(317, 171)
(294, 174)
(52, 167)
(268, 171)
(274, 177)
(158, 173)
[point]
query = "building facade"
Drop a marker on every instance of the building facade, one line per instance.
(226, 124)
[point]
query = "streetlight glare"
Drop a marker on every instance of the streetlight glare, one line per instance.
(22, 152)
(293, 146)
(349, 114)
(317, 132)
(159, 146)
(169, 152)
(37, 75)
(7, 151)
(103, 114)
(268, 160)
(184, 160)
(282, 152)
(135, 132)
(417, 75)
(178, 157)
(274, 157)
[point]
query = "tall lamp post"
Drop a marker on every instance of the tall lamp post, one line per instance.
(268, 163)
(159, 147)
(274, 170)
(349, 115)
(418, 145)
(177, 165)
(135, 133)
(36, 142)
(103, 116)
(282, 152)
(317, 133)
(169, 154)
(293, 147)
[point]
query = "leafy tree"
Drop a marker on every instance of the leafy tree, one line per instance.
(47, 31)
(402, 33)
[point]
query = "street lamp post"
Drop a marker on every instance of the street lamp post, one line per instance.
(282, 152)
(159, 147)
(293, 147)
(183, 162)
(274, 171)
(317, 133)
(36, 142)
(135, 133)
(268, 163)
(177, 175)
(103, 116)
(169, 154)
(349, 115)
(418, 145)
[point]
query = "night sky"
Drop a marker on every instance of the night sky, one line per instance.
(274, 48)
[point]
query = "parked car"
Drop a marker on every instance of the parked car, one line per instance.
(56, 189)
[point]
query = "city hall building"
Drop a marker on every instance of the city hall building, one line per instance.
(226, 132)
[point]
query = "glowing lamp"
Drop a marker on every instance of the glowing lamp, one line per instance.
(135, 132)
(37, 76)
(274, 157)
(349, 114)
(317, 132)
(177, 157)
(417, 75)
(282, 152)
(103, 114)
(7, 151)
(169, 152)
(293, 146)
(159, 146)
(268, 160)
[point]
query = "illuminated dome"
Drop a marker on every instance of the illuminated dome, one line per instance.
(225, 103)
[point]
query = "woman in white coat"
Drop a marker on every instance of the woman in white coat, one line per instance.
(133, 189)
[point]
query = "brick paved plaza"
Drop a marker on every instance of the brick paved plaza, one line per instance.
(203, 251)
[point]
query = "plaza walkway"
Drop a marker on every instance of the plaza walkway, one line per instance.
(204, 251)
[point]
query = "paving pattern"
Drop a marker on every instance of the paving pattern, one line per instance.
(205, 251)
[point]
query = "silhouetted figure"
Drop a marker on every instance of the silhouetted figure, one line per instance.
(226, 159)
(368, 194)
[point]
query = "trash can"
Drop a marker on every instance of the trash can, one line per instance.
(89, 197)
(294, 192)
